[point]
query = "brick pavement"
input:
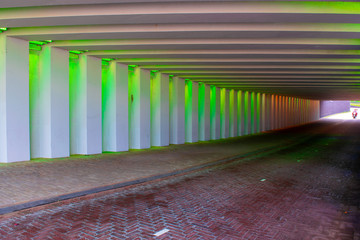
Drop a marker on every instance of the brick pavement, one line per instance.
(309, 191)
(53, 179)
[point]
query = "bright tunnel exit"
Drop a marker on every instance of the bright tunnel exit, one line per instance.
(345, 110)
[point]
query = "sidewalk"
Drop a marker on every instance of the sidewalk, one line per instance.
(29, 184)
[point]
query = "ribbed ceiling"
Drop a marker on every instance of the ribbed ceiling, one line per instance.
(294, 48)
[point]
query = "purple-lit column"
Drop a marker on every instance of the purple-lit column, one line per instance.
(177, 110)
(14, 100)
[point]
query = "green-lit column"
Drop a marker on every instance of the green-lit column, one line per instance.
(139, 109)
(224, 113)
(49, 104)
(160, 109)
(247, 114)
(191, 111)
(233, 112)
(85, 105)
(240, 113)
(263, 112)
(204, 112)
(253, 117)
(14, 100)
(273, 111)
(215, 112)
(258, 112)
(177, 110)
(115, 119)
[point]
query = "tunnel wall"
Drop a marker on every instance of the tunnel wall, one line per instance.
(332, 107)
(80, 104)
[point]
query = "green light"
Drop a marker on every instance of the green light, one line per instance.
(76, 52)
(34, 47)
(37, 42)
(3, 29)
(154, 71)
(171, 75)
(133, 66)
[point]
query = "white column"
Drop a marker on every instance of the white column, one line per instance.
(85, 110)
(49, 105)
(160, 110)
(115, 124)
(14, 100)
(204, 112)
(224, 120)
(139, 104)
(191, 111)
(215, 112)
(263, 112)
(177, 110)
(254, 116)
(247, 114)
(240, 113)
(268, 112)
(233, 99)
(273, 112)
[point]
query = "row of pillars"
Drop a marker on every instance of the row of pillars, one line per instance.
(53, 105)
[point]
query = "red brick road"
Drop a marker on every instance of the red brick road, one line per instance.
(309, 191)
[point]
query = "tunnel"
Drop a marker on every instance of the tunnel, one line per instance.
(195, 80)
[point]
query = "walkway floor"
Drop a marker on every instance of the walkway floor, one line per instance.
(305, 187)
(36, 182)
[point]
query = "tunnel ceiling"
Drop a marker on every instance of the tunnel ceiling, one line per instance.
(294, 48)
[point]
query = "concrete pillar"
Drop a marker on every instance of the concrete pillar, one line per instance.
(292, 111)
(272, 112)
(253, 113)
(280, 113)
(224, 109)
(14, 100)
(258, 112)
(263, 112)
(191, 111)
(215, 112)
(177, 110)
(233, 100)
(277, 112)
(247, 114)
(240, 113)
(204, 112)
(139, 108)
(160, 110)
(49, 104)
(287, 111)
(85, 106)
(115, 124)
